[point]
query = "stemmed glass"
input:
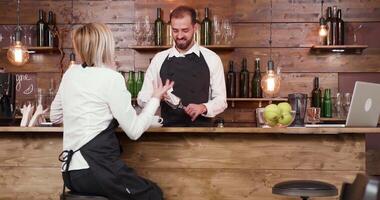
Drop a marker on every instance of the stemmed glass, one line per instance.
(355, 33)
(228, 31)
(217, 25)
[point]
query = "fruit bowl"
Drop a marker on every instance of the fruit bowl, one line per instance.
(286, 121)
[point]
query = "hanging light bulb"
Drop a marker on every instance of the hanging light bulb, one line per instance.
(17, 53)
(322, 28)
(271, 81)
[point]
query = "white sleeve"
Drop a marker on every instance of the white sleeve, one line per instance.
(119, 100)
(56, 109)
(218, 102)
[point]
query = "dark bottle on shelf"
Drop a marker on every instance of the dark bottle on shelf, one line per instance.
(231, 81)
(316, 94)
(334, 27)
(327, 104)
(206, 29)
(257, 92)
(244, 80)
(41, 29)
(329, 26)
(51, 33)
(158, 29)
(340, 27)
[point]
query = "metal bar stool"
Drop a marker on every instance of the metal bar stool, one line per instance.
(76, 196)
(305, 189)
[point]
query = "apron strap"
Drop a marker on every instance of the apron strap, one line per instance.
(65, 157)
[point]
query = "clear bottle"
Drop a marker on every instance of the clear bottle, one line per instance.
(158, 29)
(231, 81)
(244, 80)
(206, 29)
(338, 107)
(257, 92)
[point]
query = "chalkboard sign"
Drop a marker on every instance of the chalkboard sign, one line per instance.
(26, 87)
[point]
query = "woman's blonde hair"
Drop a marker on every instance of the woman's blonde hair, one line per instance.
(95, 44)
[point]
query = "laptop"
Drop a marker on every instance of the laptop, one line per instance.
(364, 109)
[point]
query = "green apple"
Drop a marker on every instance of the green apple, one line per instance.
(272, 108)
(285, 119)
(284, 107)
(271, 114)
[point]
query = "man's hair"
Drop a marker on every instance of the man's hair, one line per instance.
(181, 11)
(94, 43)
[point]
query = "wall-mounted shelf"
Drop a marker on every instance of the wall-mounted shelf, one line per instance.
(259, 100)
(155, 48)
(39, 49)
(357, 49)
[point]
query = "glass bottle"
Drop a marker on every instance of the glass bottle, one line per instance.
(41, 28)
(197, 33)
(231, 81)
(206, 29)
(316, 94)
(244, 80)
(327, 104)
(340, 27)
(158, 29)
(131, 83)
(257, 92)
(139, 82)
(51, 33)
(334, 27)
(329, 26)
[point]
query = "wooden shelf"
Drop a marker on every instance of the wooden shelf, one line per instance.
(325, 119)
(357, 49)
(40, 49)
(154, 48)
(257, 99)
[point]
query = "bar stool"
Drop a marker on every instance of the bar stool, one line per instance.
(305, 189)
(76, 196)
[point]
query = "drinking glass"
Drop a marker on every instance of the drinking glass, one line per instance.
(313, 115)
(346, 103)
(355, 31)
(137, 32)
(217, 32)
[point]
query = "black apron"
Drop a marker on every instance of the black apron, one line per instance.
(191, 77)
(117, 180)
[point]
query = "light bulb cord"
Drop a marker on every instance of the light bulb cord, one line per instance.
(18, 15)
(270, 31)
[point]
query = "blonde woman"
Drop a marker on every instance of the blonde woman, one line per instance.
(91, 101)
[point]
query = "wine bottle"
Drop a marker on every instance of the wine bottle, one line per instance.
(244, 80)
(329, 26)
(334, 27)
(131, 83)
(340, 27)
(327, 103)
(51, 33)
(158, 29)
(231, 81)
(197, 33)
(139, 82)
(41, 28)
(257, 92)
(206, 29)
(316, 94)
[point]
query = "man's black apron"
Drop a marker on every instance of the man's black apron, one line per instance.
(191, 77)
(117, 180)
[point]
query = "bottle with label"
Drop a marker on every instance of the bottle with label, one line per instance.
(334, 26)
(206, 29)
(231, 81)
(131, 83)
(316, 94)
(51, 33)
(139, 82)
(329, 26)
(244, 80)
(327, 103)
(158, 29)
(41, 28)
(197, 33)
(257, 92)
(340, 27)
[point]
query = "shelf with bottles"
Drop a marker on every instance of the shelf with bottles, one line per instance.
(157, 48)
(40, 49)
(357, 49)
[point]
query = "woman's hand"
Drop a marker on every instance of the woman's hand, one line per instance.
(161, 90)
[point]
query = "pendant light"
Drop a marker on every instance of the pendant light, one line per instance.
(17, 53)
(271, 80)
(322, 26)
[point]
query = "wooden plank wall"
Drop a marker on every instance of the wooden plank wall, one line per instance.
(294, 29)
(192, 166)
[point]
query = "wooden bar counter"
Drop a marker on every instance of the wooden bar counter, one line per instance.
(195, 163)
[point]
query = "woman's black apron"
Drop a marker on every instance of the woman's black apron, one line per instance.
(117, 180)
(191, 77)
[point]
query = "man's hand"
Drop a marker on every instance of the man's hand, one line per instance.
(194, 110)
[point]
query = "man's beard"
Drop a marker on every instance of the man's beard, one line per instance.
(183, 46)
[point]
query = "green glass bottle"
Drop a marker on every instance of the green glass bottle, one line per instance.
(257, 92)
(131, 83)
(206, 29)
(316, 94)
(158, 29)
(244, 80)
(327, 103)
(139, 82)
